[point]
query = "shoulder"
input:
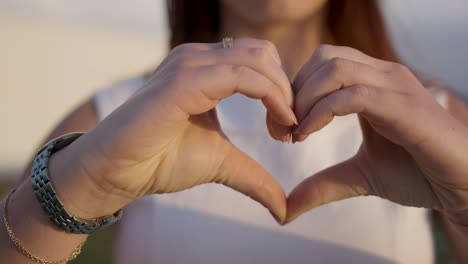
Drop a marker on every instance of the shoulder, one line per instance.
(87, 115)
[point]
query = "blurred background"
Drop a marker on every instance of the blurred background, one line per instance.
(56, 53)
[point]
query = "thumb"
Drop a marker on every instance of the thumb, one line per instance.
(243, 174)
(339, 182)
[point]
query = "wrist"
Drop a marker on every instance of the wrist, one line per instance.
(34, 230)
(80, 194)
(457, 232)
(458, 219)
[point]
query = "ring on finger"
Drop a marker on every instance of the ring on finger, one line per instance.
(228, 42)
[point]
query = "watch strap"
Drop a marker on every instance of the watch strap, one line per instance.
(47, 196)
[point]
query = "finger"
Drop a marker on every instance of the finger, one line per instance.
(209, 84)
(258, 43)
(245, 175)
(335, 183)
(245, 50)
(353, 99)
(260, 55)
(239, 42)
(183, 49)
(277, 130)
(259, 59)
(186, 49)
(336, 74)
(324, 53)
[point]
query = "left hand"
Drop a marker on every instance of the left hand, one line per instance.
(413, 152)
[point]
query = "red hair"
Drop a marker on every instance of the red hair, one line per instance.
(358, 24)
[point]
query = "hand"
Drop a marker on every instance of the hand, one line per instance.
(413, 152)
(167, 137)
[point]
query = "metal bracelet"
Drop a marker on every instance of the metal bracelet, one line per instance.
(51, 204)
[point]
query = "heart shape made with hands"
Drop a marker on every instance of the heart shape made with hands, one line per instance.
(395, 113)
(404, 156)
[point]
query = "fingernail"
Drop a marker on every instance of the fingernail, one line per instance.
(297, 129)
(278, 220)
(293, 116)
(289, 219)
(293, 138)
(299, 137)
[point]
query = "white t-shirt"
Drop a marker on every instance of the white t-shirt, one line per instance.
(214, 224)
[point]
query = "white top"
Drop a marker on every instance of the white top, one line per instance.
(214, 224)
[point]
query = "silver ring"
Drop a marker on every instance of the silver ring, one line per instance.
(228, 42)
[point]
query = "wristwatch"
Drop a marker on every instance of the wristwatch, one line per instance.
(46, 195)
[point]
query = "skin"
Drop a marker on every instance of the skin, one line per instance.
(265, 13)
(181, 96)
(153, 153)
(145, 146)
(413, 151)
(299, 24)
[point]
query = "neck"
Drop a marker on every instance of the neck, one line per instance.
(295, 41)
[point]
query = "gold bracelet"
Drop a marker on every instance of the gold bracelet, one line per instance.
(25, 251)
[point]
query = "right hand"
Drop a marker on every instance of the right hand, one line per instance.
(167, 137)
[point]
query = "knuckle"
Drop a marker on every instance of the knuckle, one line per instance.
(185, 60)
(321, 52)
(266, 43)
(175, 66)
(325, 52)
(323, 49)
(360, 97)
(178, 49)
(269, 45)
(221, 69)
(337, 65)
(184, 47)
(179, 70)
(401, 69)
(237, 70)
(259, 54)
(360, 91)
(348, 50)
(179, 79)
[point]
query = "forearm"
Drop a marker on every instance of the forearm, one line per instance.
(35, 231)
(32, 226)
(458, 239)
(457, 234)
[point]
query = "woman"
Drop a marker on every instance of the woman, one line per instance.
(167, 138)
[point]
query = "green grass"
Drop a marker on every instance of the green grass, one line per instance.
(98, 248)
